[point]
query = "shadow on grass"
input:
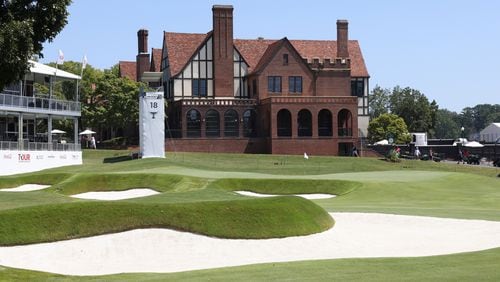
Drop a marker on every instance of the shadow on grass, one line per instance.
(117, 159)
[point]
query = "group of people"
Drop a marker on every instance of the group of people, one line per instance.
(90, 143)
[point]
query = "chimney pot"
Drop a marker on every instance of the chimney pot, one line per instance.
(142, 40)
(342, 39)
(223, 50)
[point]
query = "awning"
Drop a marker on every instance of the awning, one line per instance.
(47, 70)
(87, 132)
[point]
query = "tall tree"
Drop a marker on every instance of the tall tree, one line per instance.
(24, 26)
(379, 101)
(115, 103)
(386, 126)
(446, 125)
(414, 108)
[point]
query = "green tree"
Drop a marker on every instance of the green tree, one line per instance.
(387, 125)
(414, 108)
(446, 125)
(379, 101)
(474, 119)
(24, 26)
(116, 103)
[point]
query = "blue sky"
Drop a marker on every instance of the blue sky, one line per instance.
(449, 50)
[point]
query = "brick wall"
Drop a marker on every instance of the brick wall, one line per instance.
(219, 145)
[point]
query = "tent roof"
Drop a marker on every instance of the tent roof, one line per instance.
(36, 67)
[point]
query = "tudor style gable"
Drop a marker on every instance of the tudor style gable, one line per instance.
(281, 72)
(194, 78)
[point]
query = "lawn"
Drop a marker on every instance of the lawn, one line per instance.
(196, 196)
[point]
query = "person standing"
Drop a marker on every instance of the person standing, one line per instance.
(460, 156)
(417, 153)
(92, 143)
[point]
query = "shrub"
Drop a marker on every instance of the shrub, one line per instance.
(393, 156)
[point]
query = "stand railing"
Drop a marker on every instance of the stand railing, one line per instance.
(37, 103)
(39, 146)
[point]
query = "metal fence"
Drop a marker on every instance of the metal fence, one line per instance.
(39, 146)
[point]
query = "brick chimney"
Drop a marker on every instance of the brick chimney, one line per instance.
(223, 50)
(342, 39)
(142, 59)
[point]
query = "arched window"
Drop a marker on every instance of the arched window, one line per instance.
(249, 122)
(231, 124)
(212, 124)
(325, 123)
(304, 122)
(193, 119)
(284, 121)
(345, 123)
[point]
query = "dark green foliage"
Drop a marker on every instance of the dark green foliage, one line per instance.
(393, 156)
(24, 27)
(414, 108)
(379, 101)
(388, 125)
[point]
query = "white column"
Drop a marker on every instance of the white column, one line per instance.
(49, 134)
(20, 131)
(75, 122)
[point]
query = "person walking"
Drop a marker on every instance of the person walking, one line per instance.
(355, 152)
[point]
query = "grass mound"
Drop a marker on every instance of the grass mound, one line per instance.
(86, 182)
(258, 218)
(44, 179)
(287, 186)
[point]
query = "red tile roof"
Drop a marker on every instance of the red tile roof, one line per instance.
(155, 59)
(328, 49)
(127, 69)
(182, 46)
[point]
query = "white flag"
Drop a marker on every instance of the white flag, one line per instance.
(306, 156)
(84, 62)
(60, 58)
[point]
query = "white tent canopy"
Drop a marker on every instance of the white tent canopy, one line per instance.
(473, 144)
(382, 142)
(57, 131)
(47, 70)
(87, 132)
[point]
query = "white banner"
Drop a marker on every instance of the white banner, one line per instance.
(15, 162)
(152, 124)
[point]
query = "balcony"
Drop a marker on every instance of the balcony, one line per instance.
(11, 102)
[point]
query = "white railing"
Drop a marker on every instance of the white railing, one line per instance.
(39, 146)
(24, 102)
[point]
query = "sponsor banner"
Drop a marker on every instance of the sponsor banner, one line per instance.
(15, 162)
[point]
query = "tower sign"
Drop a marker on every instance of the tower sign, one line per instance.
(152, 124)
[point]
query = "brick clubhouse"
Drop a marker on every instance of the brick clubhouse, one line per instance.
(259, 95)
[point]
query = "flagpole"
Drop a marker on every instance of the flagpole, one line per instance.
(84, 64)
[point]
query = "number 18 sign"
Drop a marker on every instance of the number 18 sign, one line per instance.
(152, 124)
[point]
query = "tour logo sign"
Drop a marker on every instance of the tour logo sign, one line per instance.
(24, 158)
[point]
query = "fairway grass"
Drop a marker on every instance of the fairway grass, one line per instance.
(196, 196)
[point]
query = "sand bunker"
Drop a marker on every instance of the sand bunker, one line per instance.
(26, 188)
(355, 235)
(307, 196)
(116, 195)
